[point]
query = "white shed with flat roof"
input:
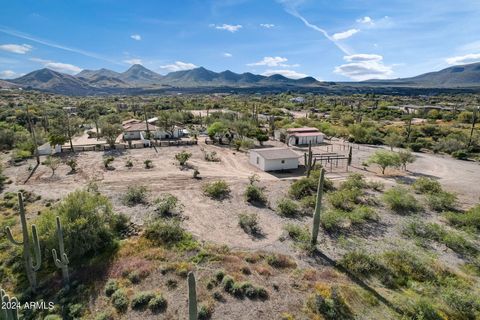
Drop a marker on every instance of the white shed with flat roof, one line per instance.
(274, 159)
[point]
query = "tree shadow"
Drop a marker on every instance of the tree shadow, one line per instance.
(323, 259)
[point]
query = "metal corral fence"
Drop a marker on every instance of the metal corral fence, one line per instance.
(133, 145)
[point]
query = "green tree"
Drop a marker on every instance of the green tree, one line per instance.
(110, 132)
(393, 140)
(385, 159)
(53, 163)
(406, 157)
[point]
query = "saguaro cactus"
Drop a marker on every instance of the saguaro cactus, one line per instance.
(349, 163)
(30, 266)
(192, 297)
(8, 309)
(309, 160)
(318, 208)
(61, 263)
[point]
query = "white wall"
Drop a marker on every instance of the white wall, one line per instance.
(272, 165)
(305, 140)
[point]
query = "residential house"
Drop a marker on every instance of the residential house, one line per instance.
(304, 136)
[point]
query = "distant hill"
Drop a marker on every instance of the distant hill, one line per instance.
(140, 80)
(452, 77)
(7, 85)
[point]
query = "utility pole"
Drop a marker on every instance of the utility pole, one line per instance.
(474, 120)
(146, 120)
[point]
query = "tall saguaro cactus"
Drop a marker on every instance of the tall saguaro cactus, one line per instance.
(192, 297)
(30, 266)
(349, 161)
(309, 160)
(63, 262)
(318, 208)
(8, 309)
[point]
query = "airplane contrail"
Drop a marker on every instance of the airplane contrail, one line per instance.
(26, 36)
(290, 8)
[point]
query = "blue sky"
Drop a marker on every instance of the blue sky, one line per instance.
(330, 40)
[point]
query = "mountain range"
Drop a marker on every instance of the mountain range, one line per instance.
(139, 80)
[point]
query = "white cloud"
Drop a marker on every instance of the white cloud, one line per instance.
(363, 57)
(267, 25)
(58, 66)
(292, 74)
(179, 66)
(465, 59)
(345, 35)
(272, 62)
(228, 27)
(16, 48)
(364, 67)
(136, 37)
(133, 61)
(8, 74)
(366, 20)
(227, 55)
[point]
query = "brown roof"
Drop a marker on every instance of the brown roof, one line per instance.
(303, 129)
(276, 153)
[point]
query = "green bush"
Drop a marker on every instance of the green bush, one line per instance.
(120, 300)
(255, 194)
(107, 161)
(297, 232)
(304, 187)
(183, 157)
(88, 225)
(279, 261)
(426, 185)
(249, 223)
(360, 263)
(469, 220)
(399, 200)
(167, 205)
(332, 220)
(361, 214)
(441, 201)
(158, 304)
(287, 208)
(111, 287)
(105, 315)
(135, 195)
(345, 199)
(205, 312)
(148, 164)
(141, 299)
(217, 190)
(166, 232)
(354, 181)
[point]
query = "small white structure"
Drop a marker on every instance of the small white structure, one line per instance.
(137, 130)
(304, 136)
(46, 149)
(274, 159)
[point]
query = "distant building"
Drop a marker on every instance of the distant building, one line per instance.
(274, 159)
(304, 136)
(297, 100)
(135, 129)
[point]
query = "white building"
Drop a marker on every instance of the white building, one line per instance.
(274, 159)
(304, 136)
(46, 149)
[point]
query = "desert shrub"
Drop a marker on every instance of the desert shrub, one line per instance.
(345, 199)
(354, 181)
(287, 208)
(157, 304)
(423, 309)
(332, 220)
(399, 200)
(376, 185)
(141, 299)
(426, 185)
(53, 317)
(255, 194)
(210, 156)
(304, 187)
(360, 263)
(465, 305)
(167, 205)
(148, 164)
(331, 305)
(403, 267)
(120, 300)
(53, 163)
(72, 163)
(183, 157)
(111, 287)
(280, 261)
(205, 312)
(196, 173)
(297, 232)
(135, 195)
(129, 163)
(217, 190)
(469, 220)
(249, 223)
(441, 201)
(168, 233)
(88, 223)
(107, 161)
(105, 315)
(361, 214)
